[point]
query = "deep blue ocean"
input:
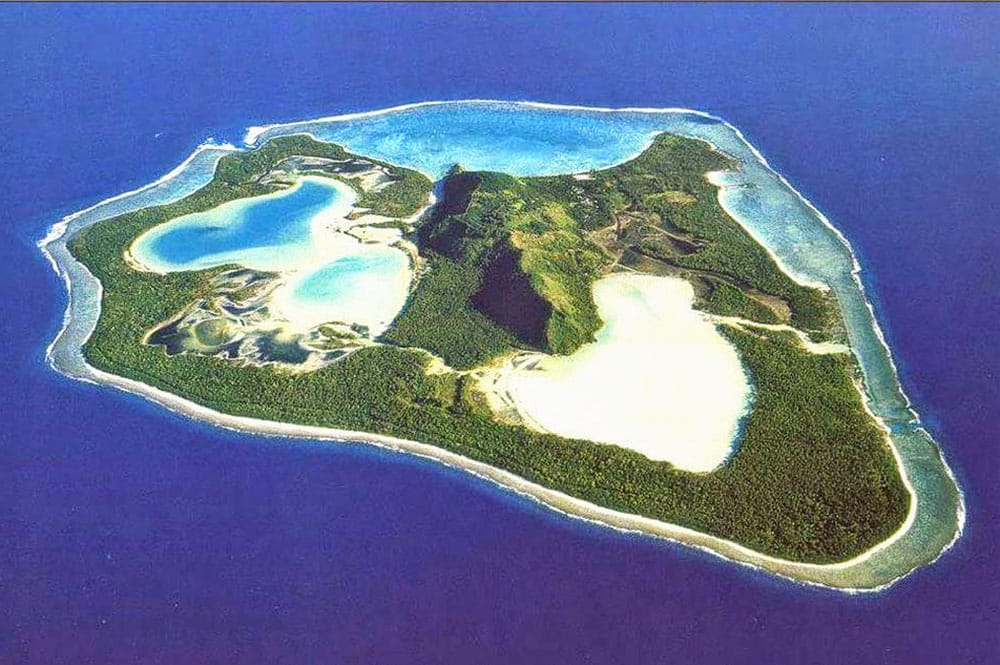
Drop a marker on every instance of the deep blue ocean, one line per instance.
(132, 535)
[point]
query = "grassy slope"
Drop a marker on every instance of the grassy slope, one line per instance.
(812, 480)
(725, 250)
(508, 269)
(511, 267)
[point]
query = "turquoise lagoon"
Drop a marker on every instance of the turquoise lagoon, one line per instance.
(369, 286)
(529, 139)
(330, 276)
(271, 232)
(535, 139)
(523, 138)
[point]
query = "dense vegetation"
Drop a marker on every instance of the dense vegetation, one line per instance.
(508, 269)
(237, 176)
(512, 259)
(665, 190)
(812, 480)
(439, 317)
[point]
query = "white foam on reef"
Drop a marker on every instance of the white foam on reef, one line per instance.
(254, 133)
(934, 523)
(58, 229)
(659, 379)
(64, 352)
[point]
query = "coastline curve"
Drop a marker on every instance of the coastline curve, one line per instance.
(930, 529)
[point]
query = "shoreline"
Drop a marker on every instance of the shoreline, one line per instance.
(551, 499)
(58, 229)
(634, 336)
(254, 132)
(825, 575)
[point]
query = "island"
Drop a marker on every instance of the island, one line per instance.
(612, 342)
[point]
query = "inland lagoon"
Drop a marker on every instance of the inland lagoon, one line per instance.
(136, 529)
(357, 282)
(302, 232)
(272, 232)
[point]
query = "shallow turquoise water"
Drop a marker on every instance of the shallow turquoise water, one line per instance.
(331, 276)
(269, 232)
(507, 137)
(369, 286)
(530, 140)
(341, 279)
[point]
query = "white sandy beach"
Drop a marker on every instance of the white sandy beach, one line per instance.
(659, 378)
(262, 258)
(879, 567)
(369, 285)
(371, 299)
